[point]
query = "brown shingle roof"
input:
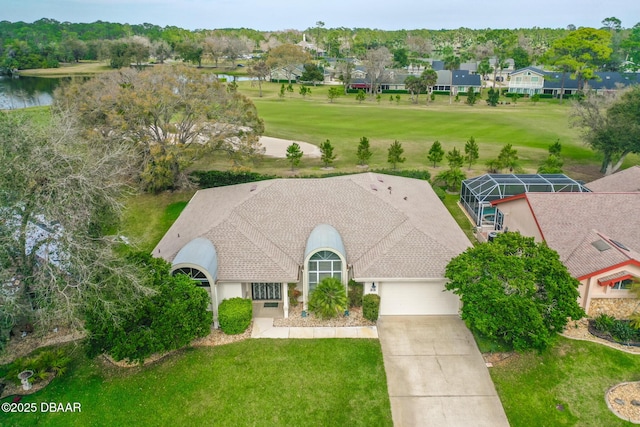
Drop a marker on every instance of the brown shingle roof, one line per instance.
(623, 181)
(572, 222)
(260, 235)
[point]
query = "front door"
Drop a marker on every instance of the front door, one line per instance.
(266, 291)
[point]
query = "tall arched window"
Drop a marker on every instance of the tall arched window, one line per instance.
(323, 264)
(195, 274)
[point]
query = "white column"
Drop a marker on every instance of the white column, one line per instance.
(285, 299)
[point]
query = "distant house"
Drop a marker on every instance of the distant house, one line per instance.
(395, 81)
(283, 75)
(310, 46)
(532, 80)
(508, 66)
(596, 235)
(529, 81)
(458, 81)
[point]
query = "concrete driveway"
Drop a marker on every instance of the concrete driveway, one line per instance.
(436, 375)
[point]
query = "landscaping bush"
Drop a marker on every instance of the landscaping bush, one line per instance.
(294, 294)
(235, 315)
(355, 293)
(371, 307)
(622, 331)
(604, 323)
(43, 363)
(170, 318)
(609, 328)
(209, 179)
(440, 192)
(412, 173)
(328, 299)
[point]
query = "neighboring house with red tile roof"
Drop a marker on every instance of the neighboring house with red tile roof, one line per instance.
(391, 233)
(625, 180)
(597, 236)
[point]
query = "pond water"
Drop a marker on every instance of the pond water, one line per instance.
(23, 92)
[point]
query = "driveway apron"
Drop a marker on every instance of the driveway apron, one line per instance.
(436, 375)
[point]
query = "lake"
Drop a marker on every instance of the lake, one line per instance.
(23, 92)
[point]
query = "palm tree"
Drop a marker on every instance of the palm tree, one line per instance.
(430, 78)
(451, 62)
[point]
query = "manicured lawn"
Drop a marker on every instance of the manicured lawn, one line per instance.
(530, 127)
(451, 203)
(254, 382)
(147, 217)
(574, 374)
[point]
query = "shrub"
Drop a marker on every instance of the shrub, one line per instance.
(604, 323)
(411, 173)
(439, 192)
(235, 315)
(371, 307)
(294, 294)
(166, 320)
(328, 299)
(355, 293)
(213, 178)
(623, 331)
(42, 363)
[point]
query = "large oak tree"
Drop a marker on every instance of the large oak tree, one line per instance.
(169, 114)
(610, 124)
(59, 194)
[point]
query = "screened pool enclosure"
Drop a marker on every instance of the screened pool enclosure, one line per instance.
(478, 193)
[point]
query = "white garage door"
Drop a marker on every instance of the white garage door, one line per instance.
(416, 298)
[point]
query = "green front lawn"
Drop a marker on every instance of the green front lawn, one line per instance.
(147, 217)
(573, 374)
(249, 383)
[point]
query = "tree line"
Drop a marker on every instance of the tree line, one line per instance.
(47, 43)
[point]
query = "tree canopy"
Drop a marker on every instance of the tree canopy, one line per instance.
(580, 53)
(610, 124)
(163, 112)
(59, 194)
(514, 291)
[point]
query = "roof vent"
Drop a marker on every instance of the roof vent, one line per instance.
(253, 187)
(601, 245)
(380, 179)
(374, 188)
(620, 245)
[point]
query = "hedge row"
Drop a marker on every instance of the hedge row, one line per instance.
(214, 178)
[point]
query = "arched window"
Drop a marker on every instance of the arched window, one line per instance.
(323, 264)
(195, 274)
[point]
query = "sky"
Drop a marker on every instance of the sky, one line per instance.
(273, 15)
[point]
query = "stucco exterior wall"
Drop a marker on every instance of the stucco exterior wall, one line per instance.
(229, 290)
(597, 299)
(518, 217)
